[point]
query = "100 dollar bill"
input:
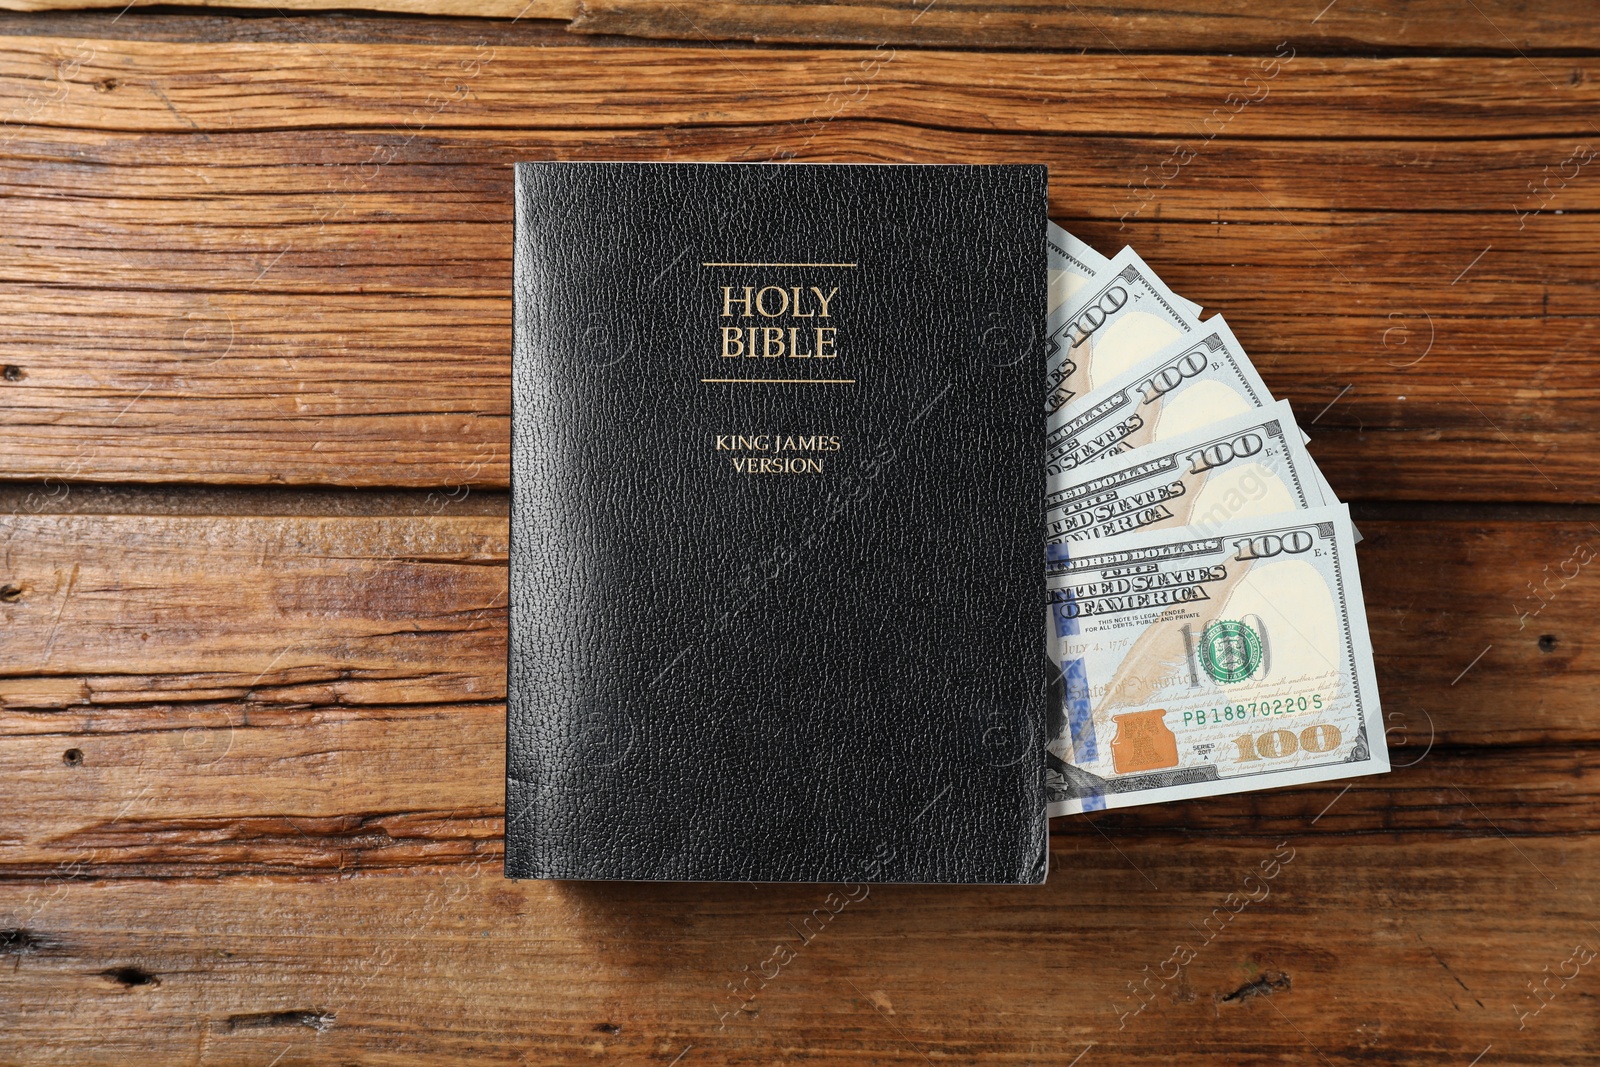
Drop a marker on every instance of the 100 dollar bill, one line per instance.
(1194, 666)
(1251, 464)
(1073, 265)
(1125, 317)
(1195, 381)
(1185, 386)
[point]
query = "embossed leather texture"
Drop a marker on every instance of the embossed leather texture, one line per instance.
(828, 673)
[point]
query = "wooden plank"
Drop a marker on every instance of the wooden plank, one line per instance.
(329, 320)
(268, 389)
(260, 294)
(199, 24)
(237, 693)
(1300, 950)
(210, 787)
(362, 389)
(151, 86)
(1166, 25)
(387, 612)
(119, 610)
(1096, 178)
(209, 790)
(489, 9)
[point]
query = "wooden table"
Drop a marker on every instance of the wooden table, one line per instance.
(253, 426)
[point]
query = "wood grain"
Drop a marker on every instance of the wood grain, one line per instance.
(497, 9)
(206, 791)
(464, 966)
(192, 695)
(288, 263)
(1437, 26)
(342, 611)
(256, 270)
(150, 86)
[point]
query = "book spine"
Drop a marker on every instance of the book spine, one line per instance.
(551, 609)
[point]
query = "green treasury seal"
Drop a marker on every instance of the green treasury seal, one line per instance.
(1230, 651)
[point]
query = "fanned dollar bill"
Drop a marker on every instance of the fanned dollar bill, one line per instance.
(1187, 385)
(1124, 317)
(1183, 387)
(1073, 265)
(1199, 665)
(1250, 464)
(1192, 309)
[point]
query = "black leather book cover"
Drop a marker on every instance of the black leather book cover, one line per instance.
(776, 580)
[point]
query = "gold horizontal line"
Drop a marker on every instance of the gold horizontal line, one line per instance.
(781, 381)
(777, 264)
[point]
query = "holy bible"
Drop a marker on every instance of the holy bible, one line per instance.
(775, 525)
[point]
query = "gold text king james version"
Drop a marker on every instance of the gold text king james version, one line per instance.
(776, 443)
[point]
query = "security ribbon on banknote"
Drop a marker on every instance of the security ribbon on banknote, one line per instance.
(1250, 464)
(1202, 664)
